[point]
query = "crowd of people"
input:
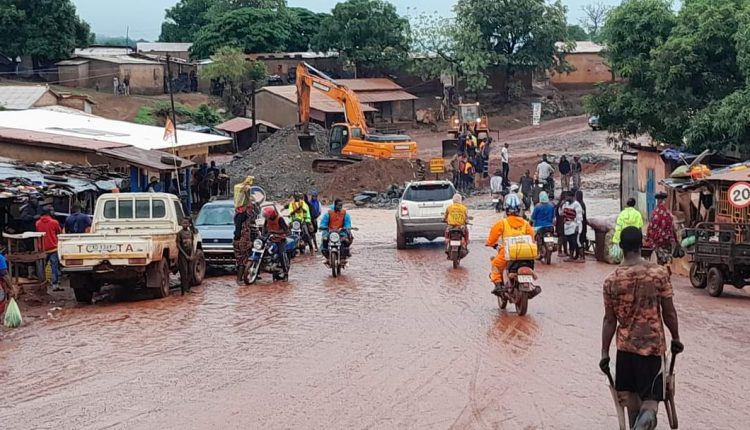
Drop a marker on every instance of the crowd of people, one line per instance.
(471, 162)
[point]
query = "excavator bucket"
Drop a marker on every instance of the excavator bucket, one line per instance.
(450, 148)
(307, 143)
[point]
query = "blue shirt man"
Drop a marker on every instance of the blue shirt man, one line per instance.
(77, 222)
(544, 213)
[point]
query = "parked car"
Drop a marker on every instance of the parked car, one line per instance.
(133, 242)
(215, 222)
(421, 210)
(594, 122)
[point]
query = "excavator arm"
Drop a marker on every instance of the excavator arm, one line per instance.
(308, 78)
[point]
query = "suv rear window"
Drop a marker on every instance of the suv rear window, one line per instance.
(429, 193)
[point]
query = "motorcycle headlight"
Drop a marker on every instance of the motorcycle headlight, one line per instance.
(334, 238)
(258, 244)
(296, 225)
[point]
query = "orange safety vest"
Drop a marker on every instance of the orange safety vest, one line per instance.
(336, 219)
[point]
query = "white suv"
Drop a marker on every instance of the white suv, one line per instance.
(421, 210)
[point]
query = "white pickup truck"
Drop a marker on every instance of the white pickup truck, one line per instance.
(133, 241)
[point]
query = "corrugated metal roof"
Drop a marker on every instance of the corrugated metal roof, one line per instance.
(163, 47)
(582, 47)
(50, 138)
(384, 96)
(71, 62)
(292, 55)
(318, 101)
(96, 130)
(736, 173)
(144, 158)
(235, 125)
(370, 84)
(20, 97)
(120, 59)
(103, 50)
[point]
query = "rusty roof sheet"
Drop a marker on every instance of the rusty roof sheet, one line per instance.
(318, 101)
(370, 84)
(235, 125)
(149, 159)
(739, 172)
(384, 96)
(56, 140)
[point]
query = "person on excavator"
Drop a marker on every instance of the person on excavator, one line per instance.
(276, 227)
(457, 215)
(511, 226)
(336, 219)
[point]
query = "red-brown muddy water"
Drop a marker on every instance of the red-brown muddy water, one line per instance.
(401, 341)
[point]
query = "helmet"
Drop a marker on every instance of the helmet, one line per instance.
(514, 188)
(512, 205)
(270, 212)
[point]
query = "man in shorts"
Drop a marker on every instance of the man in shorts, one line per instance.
(637, 305)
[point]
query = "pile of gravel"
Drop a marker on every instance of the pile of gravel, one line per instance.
(279, 165)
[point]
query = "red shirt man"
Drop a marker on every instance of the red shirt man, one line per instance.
(51, 228)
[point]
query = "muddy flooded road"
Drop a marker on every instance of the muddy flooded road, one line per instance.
(400, 341)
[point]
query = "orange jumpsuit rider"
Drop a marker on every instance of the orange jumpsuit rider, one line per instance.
(511, 226)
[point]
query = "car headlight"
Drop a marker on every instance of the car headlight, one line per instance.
(334, 238)
(296, 225)
(258, 244)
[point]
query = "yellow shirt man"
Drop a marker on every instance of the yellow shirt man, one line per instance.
(456, 215)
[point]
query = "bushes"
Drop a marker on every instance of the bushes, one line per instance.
(158, 113)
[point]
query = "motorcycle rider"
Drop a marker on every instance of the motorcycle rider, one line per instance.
(511, 226)
(543, 219)
(545, 174)
(276, 227)
(456, 215)
(336, 219)
(300, 211)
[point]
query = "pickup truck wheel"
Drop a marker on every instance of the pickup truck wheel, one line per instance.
(400, 238)
(82, 288)
(162, 272)
(199, 269)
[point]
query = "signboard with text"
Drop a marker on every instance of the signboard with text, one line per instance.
(536, 113)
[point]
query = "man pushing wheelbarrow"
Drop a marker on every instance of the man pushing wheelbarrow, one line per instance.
(637, 305)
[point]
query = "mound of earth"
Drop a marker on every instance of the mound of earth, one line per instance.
(279, 165)
(371, 175)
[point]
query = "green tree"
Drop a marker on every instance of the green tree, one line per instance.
(47, 30)
(514, 35)
(185, 19)
(305, 25)
(577, 33)
(252, 30)
(231, 69)
(369, 33)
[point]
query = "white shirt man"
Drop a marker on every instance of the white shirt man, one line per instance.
(544, 171)
(504, 155)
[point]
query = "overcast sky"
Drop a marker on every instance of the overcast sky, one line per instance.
(110, 18)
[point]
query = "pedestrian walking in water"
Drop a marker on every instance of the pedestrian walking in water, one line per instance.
(564, 168)
(562, 244)
(185, 258)
(637, 305)
(660, 233)
(245, 231)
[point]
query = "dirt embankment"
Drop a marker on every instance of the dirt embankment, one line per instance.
(371, 175)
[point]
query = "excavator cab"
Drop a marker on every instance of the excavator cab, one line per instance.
(339, 139)
(468, 115)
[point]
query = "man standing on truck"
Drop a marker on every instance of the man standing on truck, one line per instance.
(51, 228)
(185, 259)
(637, 305)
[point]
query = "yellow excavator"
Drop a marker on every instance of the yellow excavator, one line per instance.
(349, 142)
(468, 117)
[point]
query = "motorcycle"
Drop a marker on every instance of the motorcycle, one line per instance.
(265, 258)
(338, 252)
(498, 200)
(549, 246)
(456, 245)
(519, 286)
(295, 239)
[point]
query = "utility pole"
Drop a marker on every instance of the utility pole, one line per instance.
(171, 97)
(127, 40)
(252, 104)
